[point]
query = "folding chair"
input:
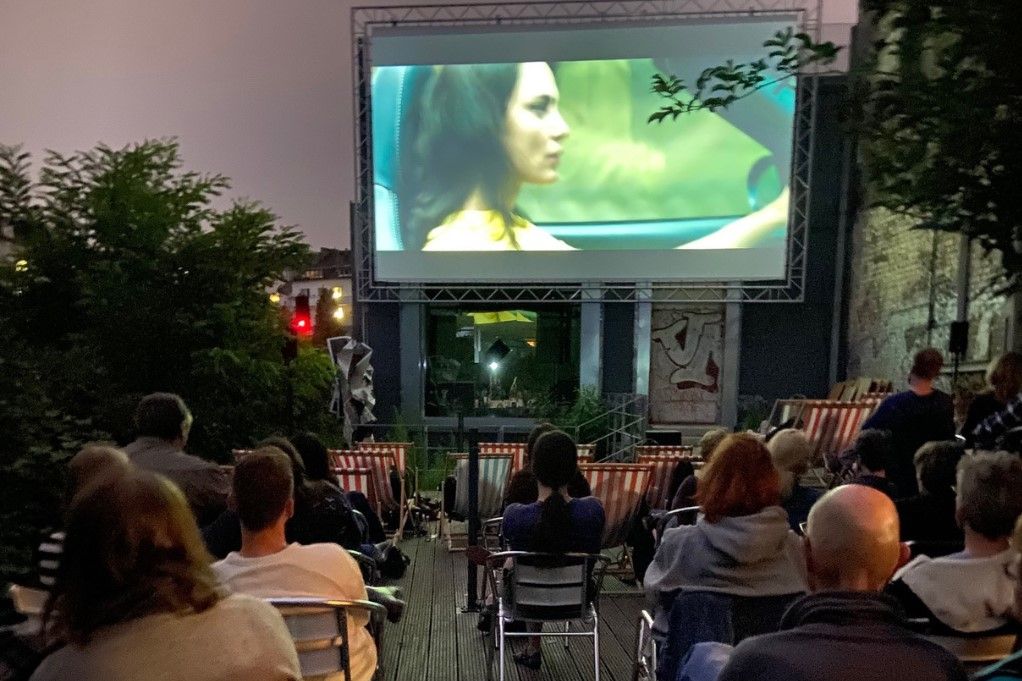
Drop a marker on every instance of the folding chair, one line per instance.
(320, 628)
(516, 450)
(546, 588)
(620, 487)
(677, 451)
(658, 496)
(494, 473)
(399, 452)
(644, 668)
(380, 463)
(358, 480)
(832, 426)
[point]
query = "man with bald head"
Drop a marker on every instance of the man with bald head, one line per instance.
(846, 629)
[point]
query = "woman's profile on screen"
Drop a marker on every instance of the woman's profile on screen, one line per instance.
(480, 132)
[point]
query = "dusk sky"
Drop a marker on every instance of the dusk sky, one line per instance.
(259, 90)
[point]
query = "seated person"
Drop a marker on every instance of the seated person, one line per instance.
(268, 566)
(741, 544)
(790, 451)
(1010, 668)
(162, 423)
(930, 515)
(555, 522)
(845, 630)
(974, 590)
(872, 452)
(1004, 376)
(136, 599)
(523, 488)
(685, 495)
(918, 415)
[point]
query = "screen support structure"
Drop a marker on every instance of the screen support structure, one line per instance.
(364, 20)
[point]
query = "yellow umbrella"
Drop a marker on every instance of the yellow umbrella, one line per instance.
(503, 316)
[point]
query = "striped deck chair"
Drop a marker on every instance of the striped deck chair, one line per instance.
(785, 410)
(357, 480)
(658, 496)
(494, 473)
(380, 464)
(832, 426)
(586, 452)
(516, 450)
(677, 451)
(620, 487)
(399, 452)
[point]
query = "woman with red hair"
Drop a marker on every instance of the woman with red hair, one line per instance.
(741, 544)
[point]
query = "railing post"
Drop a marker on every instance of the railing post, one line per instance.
(473, 517)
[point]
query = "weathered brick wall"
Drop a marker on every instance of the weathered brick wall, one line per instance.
(902, 297)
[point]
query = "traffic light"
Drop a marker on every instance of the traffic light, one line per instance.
(301, 320)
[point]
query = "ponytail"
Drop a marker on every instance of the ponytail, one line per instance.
(553, 531)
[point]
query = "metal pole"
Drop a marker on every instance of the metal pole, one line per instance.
(473, 517)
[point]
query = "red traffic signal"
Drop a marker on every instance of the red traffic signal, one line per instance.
(301, 320)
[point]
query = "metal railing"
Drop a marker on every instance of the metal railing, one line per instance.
(626, 425)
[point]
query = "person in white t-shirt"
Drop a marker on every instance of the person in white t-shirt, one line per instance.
(268, 567)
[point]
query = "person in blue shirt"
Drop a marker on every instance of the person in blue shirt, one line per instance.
(914, 417)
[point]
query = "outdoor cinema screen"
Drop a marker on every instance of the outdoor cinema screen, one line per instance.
(523, 154)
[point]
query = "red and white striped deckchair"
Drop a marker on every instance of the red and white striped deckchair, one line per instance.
(658, 496)
(380, 464)
(620, 487)
(586, 452)
(494, 473)
(516, 450)
(677, 451)
(399, 452)
(832, 426)
(357, 480)
(785, 410)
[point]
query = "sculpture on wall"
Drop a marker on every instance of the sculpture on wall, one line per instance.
(353, 391)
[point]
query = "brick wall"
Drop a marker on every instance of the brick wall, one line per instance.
(902, 297)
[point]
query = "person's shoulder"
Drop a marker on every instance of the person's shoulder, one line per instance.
(589, 506)
(752, 658)
(67, 662)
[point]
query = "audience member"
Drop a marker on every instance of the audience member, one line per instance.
(741, 545)
(929, 516)
(685, 495)
(916, 416)
(268, 566)
(93, 464)
(1004, 376)
(993, 428)
(974, 590)
(162, 423)
(556, 522)
(845, 630)
(135, 597)
(316, 458)
(790, 451)
(523, 487)
(1010, 668)
(873, 453)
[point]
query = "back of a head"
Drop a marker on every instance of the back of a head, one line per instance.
(263, 484)
(1005, 375)
(873, 449)
(926, 364)
(990, 493)
(554, 462)
(537, 431)
(937, 465)
(283, 444)
(739, 480)
(790, 451)
(162, 415)
(314, 455)
(132, 548)
(94, 463)
(853, 534)
(709, 442)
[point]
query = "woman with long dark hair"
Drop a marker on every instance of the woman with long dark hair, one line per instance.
(135, 596)
(479, 131)
(555, 523)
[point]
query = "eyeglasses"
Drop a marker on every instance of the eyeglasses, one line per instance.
(803, 528)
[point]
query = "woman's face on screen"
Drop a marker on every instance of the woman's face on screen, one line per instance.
(535, 128)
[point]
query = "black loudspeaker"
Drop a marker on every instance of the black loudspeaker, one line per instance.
(958, 342)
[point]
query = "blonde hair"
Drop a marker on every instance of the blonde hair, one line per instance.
(790, 451)
(709, 442)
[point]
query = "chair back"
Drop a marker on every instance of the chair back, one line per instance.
(676, 451)
(786, 410)
(397, 450)
(832, 426)
(319, 629)
(645, 649)
(547, 587)
(380, 463)
(620, 487)
(516, 450)
(358, 480)
(494, 473)
(658, 496)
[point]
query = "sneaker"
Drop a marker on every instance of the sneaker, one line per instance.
(485, 623)
(530, 660)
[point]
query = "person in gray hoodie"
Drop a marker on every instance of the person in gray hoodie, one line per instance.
(741, 544)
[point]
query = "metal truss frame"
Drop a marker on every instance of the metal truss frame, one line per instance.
(369, 290)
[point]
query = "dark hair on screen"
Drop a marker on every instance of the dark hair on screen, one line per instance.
(457, 133)
(314, 455)
(554, 461)
(162, 415)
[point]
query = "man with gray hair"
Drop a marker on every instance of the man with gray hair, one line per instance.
(846, 629)
(162, 424)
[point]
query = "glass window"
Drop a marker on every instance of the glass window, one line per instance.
(501, 361)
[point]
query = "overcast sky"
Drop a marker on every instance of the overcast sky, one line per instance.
(259, 90)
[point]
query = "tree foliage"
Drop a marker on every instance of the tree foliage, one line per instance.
(936, 108)
(134, 276)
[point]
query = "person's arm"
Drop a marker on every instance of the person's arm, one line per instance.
(995, 425)
(883, 417)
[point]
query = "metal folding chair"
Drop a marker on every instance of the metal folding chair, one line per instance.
(644, 668)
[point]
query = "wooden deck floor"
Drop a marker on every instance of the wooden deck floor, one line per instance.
(435, 641)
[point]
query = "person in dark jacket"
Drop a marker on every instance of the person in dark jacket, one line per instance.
(846, 629)
(918, 415)
(929, 517)
(873, 452)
